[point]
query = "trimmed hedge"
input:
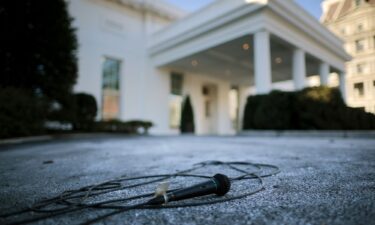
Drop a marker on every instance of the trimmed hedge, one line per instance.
(24, 114)
(85, 111)
(80, 111)
(187, 117)
(317, 108)
(21, 114)
(129, 127)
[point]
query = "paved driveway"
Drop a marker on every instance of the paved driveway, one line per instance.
(322, 180)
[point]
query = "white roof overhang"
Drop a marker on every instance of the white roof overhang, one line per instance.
(224, 21)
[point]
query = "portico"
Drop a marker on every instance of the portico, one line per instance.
(250, 44)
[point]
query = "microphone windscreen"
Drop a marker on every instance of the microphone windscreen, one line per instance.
(223, 184)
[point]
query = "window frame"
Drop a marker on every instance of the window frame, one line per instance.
(176, 79)
(175, 99)
(359, 45)
(360, 27)
(359, 92)
(360, 68)
(113, 88)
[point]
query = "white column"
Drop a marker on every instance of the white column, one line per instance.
(262, 62)
(324, 73)
(342, 83)
(223, 117)
(299, 69)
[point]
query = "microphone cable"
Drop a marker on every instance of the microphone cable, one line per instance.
(86, 197)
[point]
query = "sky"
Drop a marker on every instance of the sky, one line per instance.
(312, 6)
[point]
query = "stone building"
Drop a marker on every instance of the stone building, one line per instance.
(354, 22)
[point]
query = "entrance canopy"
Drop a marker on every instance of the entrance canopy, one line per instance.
(234, 61)
(254, 42)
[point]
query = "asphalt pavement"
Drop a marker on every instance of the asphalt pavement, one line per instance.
(322, 180)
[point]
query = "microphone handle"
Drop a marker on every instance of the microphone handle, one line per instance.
(205, 188)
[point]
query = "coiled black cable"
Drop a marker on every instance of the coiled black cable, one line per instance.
(85, 197)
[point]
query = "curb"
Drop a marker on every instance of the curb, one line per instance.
(22, 140)
(319, 134)
(42, 138)
(25, 139)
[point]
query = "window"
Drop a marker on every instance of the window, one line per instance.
(207, 108)
(175, 101)
(176, 84)
(359, 90)
(209, 93)
(205, 91)
(359, 45)
(111, 89)
(360, 27)
(360, 68)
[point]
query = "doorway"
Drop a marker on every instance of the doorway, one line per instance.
(209, 93)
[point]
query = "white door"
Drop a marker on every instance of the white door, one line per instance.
(209, 92)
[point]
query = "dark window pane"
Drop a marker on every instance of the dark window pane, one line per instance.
(359, 90)
(111, 70)
(176, 83)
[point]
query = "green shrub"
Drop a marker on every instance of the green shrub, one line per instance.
(317, 108)
(46, 67)
(271, 114)
(80, 110)
(128, 127)
(64, 112)
(21, 114)
(187, 117)
(253, 102)
(85, 111)
(139, 124)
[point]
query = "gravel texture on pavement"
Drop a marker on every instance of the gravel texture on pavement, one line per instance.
(322, 180)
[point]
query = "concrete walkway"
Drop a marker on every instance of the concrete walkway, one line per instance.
(323, 180)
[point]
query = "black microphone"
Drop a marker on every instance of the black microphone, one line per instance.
(218, 184)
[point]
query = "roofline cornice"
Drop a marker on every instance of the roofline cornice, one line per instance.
(287, 10)
(207, 26)
(160, 8)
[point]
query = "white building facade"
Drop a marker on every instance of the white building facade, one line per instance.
(141, 58)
